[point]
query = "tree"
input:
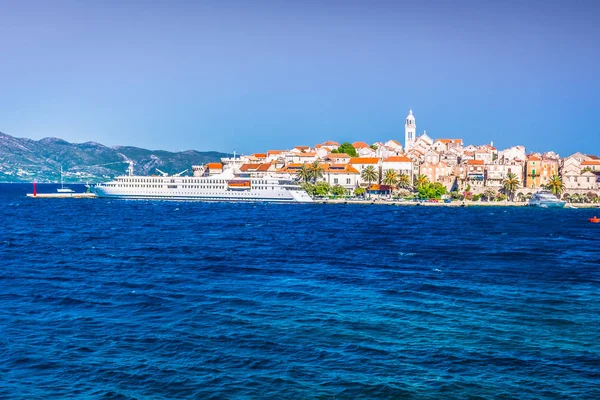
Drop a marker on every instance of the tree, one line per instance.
(403, 193)
(520, 196)
(510, 185)
(359, 192)
(489, 194)
(369, 174)
(338, 190)
(346, 148)
(373, 146)
(421, 181)
(556, 185)
(403, 181)
(322, 188)
(316, 171)
(304, 173)
(309, 188)
(432, 190)
(390, 178)
(586, 169)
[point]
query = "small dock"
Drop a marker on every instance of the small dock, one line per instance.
(62, 195)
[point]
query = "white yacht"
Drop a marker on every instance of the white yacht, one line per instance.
(545, 199)
(226, 186)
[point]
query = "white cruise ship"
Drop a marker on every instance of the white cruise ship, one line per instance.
(225, 186)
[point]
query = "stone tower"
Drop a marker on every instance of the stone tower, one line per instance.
(410, 131)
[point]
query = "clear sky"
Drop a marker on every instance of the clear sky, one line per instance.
(254, 75)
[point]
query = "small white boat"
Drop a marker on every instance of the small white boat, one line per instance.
(62, 188)
(546, 199)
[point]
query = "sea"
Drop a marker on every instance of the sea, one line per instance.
(121, 299)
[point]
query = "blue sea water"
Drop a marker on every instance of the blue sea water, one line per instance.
(114, 299)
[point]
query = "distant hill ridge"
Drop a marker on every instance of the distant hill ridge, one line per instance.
(23, 160)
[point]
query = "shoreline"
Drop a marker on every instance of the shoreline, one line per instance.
(442, 204)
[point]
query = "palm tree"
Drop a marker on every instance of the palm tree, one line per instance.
(304, 173)
(316, 171)
(421, 181)
(390, 179)
(369, 174)
(556, 185)
(510, 185)
(403, 181)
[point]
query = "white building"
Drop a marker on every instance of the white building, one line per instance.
(341, 174)
(400, 164)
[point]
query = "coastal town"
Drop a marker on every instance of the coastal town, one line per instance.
(425, 167)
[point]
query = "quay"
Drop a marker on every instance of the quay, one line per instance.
(465, 203)
(62, 195)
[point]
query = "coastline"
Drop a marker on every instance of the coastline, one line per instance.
(442, 204)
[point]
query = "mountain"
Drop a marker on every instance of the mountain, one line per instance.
(25, 160)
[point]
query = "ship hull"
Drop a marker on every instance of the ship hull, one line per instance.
(226, 196)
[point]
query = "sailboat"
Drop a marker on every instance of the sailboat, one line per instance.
(63, 189)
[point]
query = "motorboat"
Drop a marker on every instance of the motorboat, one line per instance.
(546, 199)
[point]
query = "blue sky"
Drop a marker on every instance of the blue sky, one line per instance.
(268, 74)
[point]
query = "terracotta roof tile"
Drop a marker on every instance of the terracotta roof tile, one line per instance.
(364, 160)
(360, 145)
(338, 155)
(397, 159)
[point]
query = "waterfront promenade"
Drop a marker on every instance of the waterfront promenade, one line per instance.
(465, 203)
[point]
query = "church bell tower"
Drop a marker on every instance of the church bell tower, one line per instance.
(410, 130)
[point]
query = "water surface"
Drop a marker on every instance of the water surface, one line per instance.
(162, 300)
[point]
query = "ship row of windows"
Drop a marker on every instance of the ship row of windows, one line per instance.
(170, 180)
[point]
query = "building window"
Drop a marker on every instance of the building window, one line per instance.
(347, 181)
(335, 180)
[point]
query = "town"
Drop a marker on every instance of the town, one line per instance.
(426, 168)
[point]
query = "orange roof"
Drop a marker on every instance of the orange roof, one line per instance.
(449, 140)
(338, 155)
(533, 158)
(264, 167)
(305, 155)
(475, 162)
(395, 141)
(292, 167)
(331, 143)
(360, 145)
(397, 159)
(249, 167)
(339, 169)
(259, 155)
(591, 162)
(302, 147)
(364, 160)
(214, 165)
(275, 151)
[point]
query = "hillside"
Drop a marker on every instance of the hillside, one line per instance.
(23, 160)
